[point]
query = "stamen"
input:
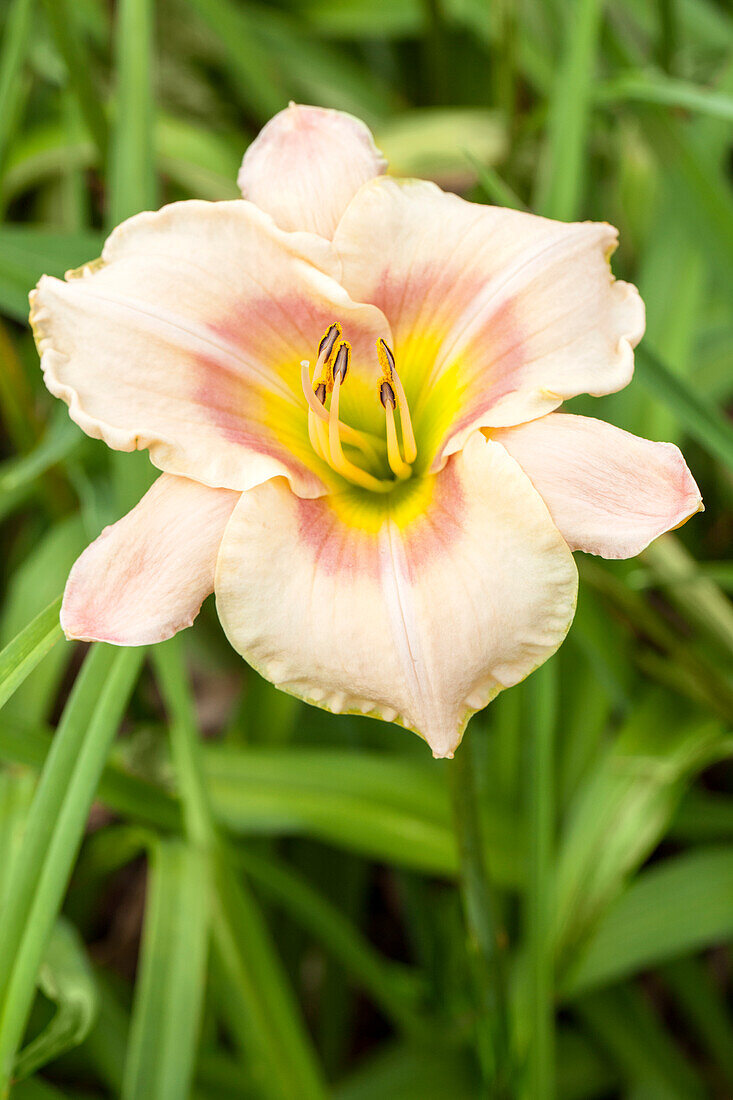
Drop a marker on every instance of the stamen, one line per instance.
(398, 467)
(387, 362)
(314, 403)
(386, 358)
(324, 362)
(341, 362)
(386, 395)
(317, 415)
(339, 461)
(317, 432)
(328, 341)
(316, 398)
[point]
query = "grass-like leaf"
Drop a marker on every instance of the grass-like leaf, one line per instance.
(259, 1000)
(53, 833)
(169, 990)
(21, 656)
(560, 181)
(132, 163)
(16, 40)
(66, 978)
(678, 906)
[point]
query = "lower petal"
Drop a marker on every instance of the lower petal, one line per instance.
(420, 616)
(609, 492)
(146, 576)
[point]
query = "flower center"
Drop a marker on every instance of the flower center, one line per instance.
(329, 436)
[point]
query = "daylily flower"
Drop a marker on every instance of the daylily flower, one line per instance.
(350, 384)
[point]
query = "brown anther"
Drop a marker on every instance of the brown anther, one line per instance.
(328, 340)
(341, 362)
(386, 395)
(320, 392)
(396, 397)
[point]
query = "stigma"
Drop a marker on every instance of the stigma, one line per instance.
(328, 435)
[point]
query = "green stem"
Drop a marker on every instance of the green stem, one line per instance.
(482, 927)
(541, 690)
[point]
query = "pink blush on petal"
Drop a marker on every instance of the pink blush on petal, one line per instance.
(342, 549)
(339, 549)
(503, 338)
(430, 536)
(239, 406)
(417, 321)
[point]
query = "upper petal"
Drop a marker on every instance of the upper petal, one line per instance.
(501, 315)
(306, 165)
(420, 616)
(609, 492)
(187, 338)
(146, 576)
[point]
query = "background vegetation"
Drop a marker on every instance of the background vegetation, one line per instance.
(210, 890)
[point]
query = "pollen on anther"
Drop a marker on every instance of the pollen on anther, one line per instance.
(386, 357)
(328, 340)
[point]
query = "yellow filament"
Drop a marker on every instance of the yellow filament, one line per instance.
(338, 460)
(398, 467)
(362, 440)
(387, 363)
(317, 415)
(409, 445)
(322, 436)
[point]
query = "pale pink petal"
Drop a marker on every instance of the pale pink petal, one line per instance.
(306, 165)
(419, 616)
(497, 316)
(187, 338)
(609, 492)
(146, 576)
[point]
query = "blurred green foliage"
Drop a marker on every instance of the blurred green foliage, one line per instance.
(209, 890)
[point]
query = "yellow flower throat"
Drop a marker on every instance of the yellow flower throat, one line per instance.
(328, 434)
